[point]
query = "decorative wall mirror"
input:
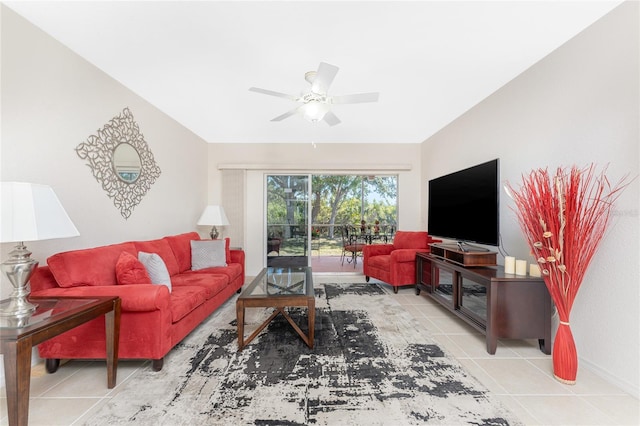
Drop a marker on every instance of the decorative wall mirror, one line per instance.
(126, 163)
(121, 161)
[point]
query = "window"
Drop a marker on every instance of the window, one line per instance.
(334, 201)
(352, 199)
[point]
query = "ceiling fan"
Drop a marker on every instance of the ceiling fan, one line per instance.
(316, 104)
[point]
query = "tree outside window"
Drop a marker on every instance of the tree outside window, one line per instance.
(351, 199)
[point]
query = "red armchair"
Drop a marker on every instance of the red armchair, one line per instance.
(395, 263)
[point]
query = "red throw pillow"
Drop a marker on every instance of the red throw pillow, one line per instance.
(129, 270)
(227, 250)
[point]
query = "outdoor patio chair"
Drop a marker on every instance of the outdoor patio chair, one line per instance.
(351, 248)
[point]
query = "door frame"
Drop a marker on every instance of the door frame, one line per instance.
(307, 214)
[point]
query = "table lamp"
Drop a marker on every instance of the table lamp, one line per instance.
(213, 216)
(28, 212)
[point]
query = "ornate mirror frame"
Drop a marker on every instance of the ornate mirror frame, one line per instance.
(98, 151)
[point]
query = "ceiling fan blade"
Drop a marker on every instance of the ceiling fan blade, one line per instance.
(324, 77)
(331, 119)
(287, 114)
(272, 93)
(357, 98)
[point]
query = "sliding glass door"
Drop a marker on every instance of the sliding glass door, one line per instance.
(306, 214)
(287, 220)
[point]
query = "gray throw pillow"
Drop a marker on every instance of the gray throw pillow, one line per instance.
(156, 268)
(207, 254)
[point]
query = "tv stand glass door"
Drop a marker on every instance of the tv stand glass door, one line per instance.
(444, 285)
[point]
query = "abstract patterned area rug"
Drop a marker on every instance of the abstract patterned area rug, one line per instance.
(372, 365)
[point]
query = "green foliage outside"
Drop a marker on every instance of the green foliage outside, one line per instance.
(349, 199)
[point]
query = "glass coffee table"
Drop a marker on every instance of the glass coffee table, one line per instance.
(278, 288)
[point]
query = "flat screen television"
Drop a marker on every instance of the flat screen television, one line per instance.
(465, 206)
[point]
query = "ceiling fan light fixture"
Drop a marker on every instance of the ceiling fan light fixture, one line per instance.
(316, 103)
(315, 110)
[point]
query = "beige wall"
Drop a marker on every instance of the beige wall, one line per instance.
(52, 100)
(577, 106)
(258, 160)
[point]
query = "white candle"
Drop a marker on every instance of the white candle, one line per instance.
(509, 264)
(521, 267)
(534, 270)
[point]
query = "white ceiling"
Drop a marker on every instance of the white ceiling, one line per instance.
(430, 60)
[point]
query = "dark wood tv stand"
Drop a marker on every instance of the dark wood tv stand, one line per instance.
(452, 253)
(498, 305)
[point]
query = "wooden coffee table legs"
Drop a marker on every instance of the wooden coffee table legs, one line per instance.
(307, 338)
(312, 323)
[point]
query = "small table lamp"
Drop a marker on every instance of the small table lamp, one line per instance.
(29, 212)
(213, 216)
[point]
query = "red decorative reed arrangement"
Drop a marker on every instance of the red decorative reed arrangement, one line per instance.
(564, 217)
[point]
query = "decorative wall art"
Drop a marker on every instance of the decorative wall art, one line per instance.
(121, 161)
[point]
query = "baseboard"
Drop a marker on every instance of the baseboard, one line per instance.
(616, 381)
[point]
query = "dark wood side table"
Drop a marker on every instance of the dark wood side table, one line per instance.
(54, 316)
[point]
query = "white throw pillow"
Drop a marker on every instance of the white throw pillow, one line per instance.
(156, 268)
(207, 254)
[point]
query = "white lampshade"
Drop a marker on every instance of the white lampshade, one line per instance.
(213, 216)
(32, 212)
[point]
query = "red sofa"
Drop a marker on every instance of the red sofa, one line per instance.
(395, 263)
(153, 318)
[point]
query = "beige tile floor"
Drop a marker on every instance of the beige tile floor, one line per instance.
(518, 375)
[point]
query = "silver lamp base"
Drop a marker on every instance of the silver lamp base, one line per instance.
(18, 269)
(214, 233)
